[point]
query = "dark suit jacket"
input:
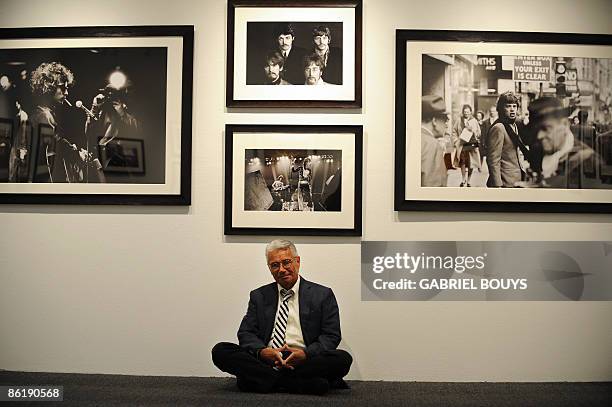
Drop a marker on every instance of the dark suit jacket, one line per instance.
(333, 71)
(293, 69)
(319, 318)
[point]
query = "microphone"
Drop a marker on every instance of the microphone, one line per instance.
(89, 113)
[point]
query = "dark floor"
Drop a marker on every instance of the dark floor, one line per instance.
(100, 390)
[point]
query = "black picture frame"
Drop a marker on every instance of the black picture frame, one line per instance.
(297, 134)
(404, 203)
(233, 101)
(181, 34)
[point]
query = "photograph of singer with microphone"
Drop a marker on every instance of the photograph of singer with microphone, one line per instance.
(66, 162)
(90, 100)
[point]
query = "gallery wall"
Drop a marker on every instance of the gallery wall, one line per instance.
(150, 290)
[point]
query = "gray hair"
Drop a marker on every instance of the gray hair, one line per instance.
(280, 244)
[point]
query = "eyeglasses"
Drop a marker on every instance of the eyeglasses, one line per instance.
(276, 265)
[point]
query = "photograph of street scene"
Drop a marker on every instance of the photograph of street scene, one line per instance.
(492, 121)
(293, 180)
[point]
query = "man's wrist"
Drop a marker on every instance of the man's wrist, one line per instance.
(258, 352)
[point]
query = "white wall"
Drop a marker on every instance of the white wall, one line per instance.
(139, 290)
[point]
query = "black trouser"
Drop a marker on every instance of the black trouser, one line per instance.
(256, 375)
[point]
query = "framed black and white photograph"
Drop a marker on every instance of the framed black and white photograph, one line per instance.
(503, 121)
(124, 156)
(293, 180)
(311, 49)
(99, 115)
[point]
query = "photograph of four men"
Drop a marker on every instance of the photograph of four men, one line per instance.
(302, 53)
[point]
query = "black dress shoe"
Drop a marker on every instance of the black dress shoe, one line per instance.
(338, 383)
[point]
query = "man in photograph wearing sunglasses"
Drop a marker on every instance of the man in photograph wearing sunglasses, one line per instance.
(288, 337)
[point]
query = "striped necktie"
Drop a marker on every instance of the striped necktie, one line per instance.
(280, 326)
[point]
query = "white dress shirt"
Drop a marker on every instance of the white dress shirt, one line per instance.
(293, 334)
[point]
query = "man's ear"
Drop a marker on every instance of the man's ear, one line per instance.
(297, 259)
